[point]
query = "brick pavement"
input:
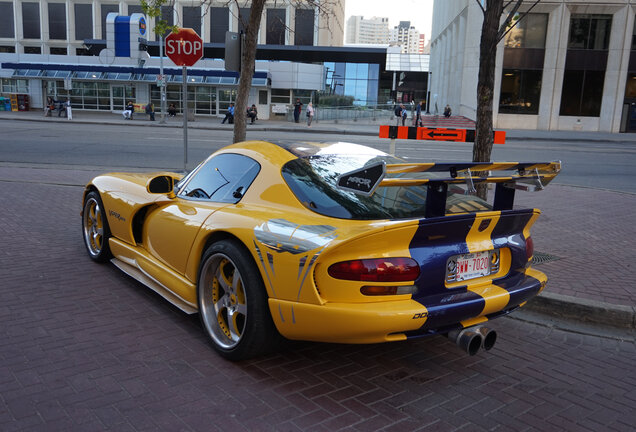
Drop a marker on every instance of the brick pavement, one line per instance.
(83, 347)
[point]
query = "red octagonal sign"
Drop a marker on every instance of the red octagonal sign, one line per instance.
(184, 48)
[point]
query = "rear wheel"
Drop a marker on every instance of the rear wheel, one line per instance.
(233, 303)
(95, 228)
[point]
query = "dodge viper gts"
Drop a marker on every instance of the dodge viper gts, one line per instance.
(331, 242)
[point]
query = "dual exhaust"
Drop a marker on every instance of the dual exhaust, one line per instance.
(472, 339)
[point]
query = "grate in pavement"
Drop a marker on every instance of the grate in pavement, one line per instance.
(542, 257)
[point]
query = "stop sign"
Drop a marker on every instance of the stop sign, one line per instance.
(184, 48)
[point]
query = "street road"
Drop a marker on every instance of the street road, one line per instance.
(595, 164)
(84, 347)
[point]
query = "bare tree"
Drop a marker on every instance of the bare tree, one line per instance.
(493, 30)
(251, 28)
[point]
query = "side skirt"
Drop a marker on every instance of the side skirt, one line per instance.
(140, 276)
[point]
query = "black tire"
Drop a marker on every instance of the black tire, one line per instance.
(233, 303)
(95, 229)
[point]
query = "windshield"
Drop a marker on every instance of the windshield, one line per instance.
(313, 180)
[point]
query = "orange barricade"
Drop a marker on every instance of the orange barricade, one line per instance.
(435, 134)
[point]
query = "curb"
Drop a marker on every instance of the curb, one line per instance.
(583, 310)
(194, 125)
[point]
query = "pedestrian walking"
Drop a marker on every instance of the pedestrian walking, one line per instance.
(310, 114)
(150, 111)
(447, 111)
(298, 106)
(418, 114)
(404, 114)
(398, 114)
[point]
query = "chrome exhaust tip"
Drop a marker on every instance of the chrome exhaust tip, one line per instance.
(468, 340)
(489, 337)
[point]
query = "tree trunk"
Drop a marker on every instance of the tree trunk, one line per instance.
(247, 70)
(485, 85)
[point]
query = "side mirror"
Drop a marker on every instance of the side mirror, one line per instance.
(162, 184)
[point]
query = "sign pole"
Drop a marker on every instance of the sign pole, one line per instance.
(162, 89)
(185, 118)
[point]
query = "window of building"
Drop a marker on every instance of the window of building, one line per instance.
(57, 21)
(58, 51)
(304, 27)
(590, 32)
(276, 26)
(7, 49)
(281, 96)
(192, 18)
(135, 9)
(32, 50)
(31, 20)
(262, 97)
(520, 91)
(167, 15)
(82, 52)
(83, 21)
(529, 32)
(12, 85)
(106, 9)
(219, 24)
(630, 88)
(582, 93)
(6, 20)
(243, 18)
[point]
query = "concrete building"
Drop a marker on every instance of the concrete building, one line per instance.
(367, 31)
(52, 47)
(568, 65)
(406, 36)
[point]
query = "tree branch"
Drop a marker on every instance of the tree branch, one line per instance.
(504, 29)
(481, 6)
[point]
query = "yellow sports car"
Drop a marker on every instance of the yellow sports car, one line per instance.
(327, 242)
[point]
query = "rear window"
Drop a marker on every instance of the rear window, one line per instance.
(313, 180)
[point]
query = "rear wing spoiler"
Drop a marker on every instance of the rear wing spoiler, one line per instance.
(508, 177)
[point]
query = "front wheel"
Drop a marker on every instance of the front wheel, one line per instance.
(233, 303)
(95, 228)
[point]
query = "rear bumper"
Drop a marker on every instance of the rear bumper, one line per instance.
(398, 320)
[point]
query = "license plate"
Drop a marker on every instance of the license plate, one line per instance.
(468, 266)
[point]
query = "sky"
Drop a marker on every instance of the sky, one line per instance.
(419, 12)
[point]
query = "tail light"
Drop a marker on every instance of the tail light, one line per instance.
(376, 270)
(529, 248)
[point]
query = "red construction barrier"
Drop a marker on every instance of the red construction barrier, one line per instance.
(435, 134)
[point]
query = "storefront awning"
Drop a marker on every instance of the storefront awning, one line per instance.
(127, 73)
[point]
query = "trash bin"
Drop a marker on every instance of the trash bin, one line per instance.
(190, 114)
(1, 103)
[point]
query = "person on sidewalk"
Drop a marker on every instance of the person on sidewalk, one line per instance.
(128, 112)
(69, 111)
(404, 114)
(447, 111)
(418, 114)
(150, 111)
(61, 108)
(398, 114)
(172, 110)
(298, 106)
(310, 114)
(229, 115)
(252, 113)
(50, 106)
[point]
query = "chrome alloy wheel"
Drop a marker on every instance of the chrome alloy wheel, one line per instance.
(223, 300)
(93, 226)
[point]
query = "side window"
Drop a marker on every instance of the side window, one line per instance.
(224, 178)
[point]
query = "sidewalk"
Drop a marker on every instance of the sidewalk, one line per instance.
(584, 238)
(364, 127)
